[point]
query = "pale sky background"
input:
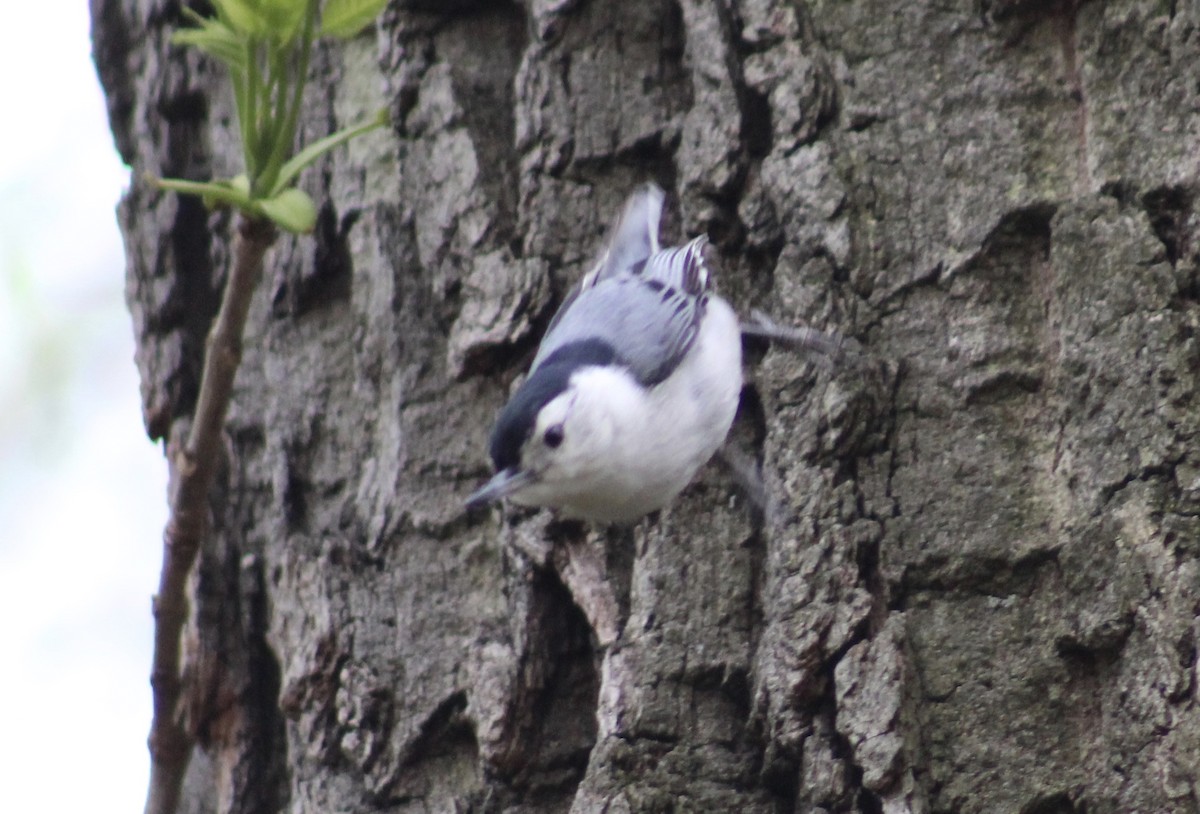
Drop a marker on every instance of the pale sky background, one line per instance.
(82, 490)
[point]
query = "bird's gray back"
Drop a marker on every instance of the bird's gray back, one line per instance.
(649, 314)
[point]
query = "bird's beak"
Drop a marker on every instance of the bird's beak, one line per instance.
(502, 484)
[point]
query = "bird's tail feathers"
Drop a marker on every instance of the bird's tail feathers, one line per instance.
(634, 237)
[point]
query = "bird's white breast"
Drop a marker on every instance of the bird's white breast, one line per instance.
(650, 443)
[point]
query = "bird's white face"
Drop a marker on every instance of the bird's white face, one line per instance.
(574, 456)
(570, 459)
(557, 453)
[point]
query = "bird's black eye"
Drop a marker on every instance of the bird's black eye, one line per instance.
(553, 436)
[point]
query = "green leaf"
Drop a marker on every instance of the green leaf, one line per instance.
(292, 209)
(215, 39)
(345, 18)
(214, 193)
(244, 16)
(312, 152)
(287, 70)
(241, 183)
(284, 17)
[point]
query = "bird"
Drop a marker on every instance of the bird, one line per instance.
(633, 388)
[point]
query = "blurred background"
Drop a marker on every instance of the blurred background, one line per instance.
(82, 490)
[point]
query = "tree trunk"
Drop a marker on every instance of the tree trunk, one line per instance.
(977, 591)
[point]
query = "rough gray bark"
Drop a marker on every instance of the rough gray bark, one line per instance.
(980, 592)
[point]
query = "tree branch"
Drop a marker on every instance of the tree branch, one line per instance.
(192, 471)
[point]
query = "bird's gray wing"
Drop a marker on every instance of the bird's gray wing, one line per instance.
(648, 322)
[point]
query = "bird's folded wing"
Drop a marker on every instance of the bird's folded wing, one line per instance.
(649, 325)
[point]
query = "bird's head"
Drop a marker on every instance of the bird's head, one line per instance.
(553, 432)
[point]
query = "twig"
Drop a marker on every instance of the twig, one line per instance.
(192, 470)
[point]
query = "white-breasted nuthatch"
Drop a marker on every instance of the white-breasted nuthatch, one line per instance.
(634, 386)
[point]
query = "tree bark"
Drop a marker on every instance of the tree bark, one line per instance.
(979, 590)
